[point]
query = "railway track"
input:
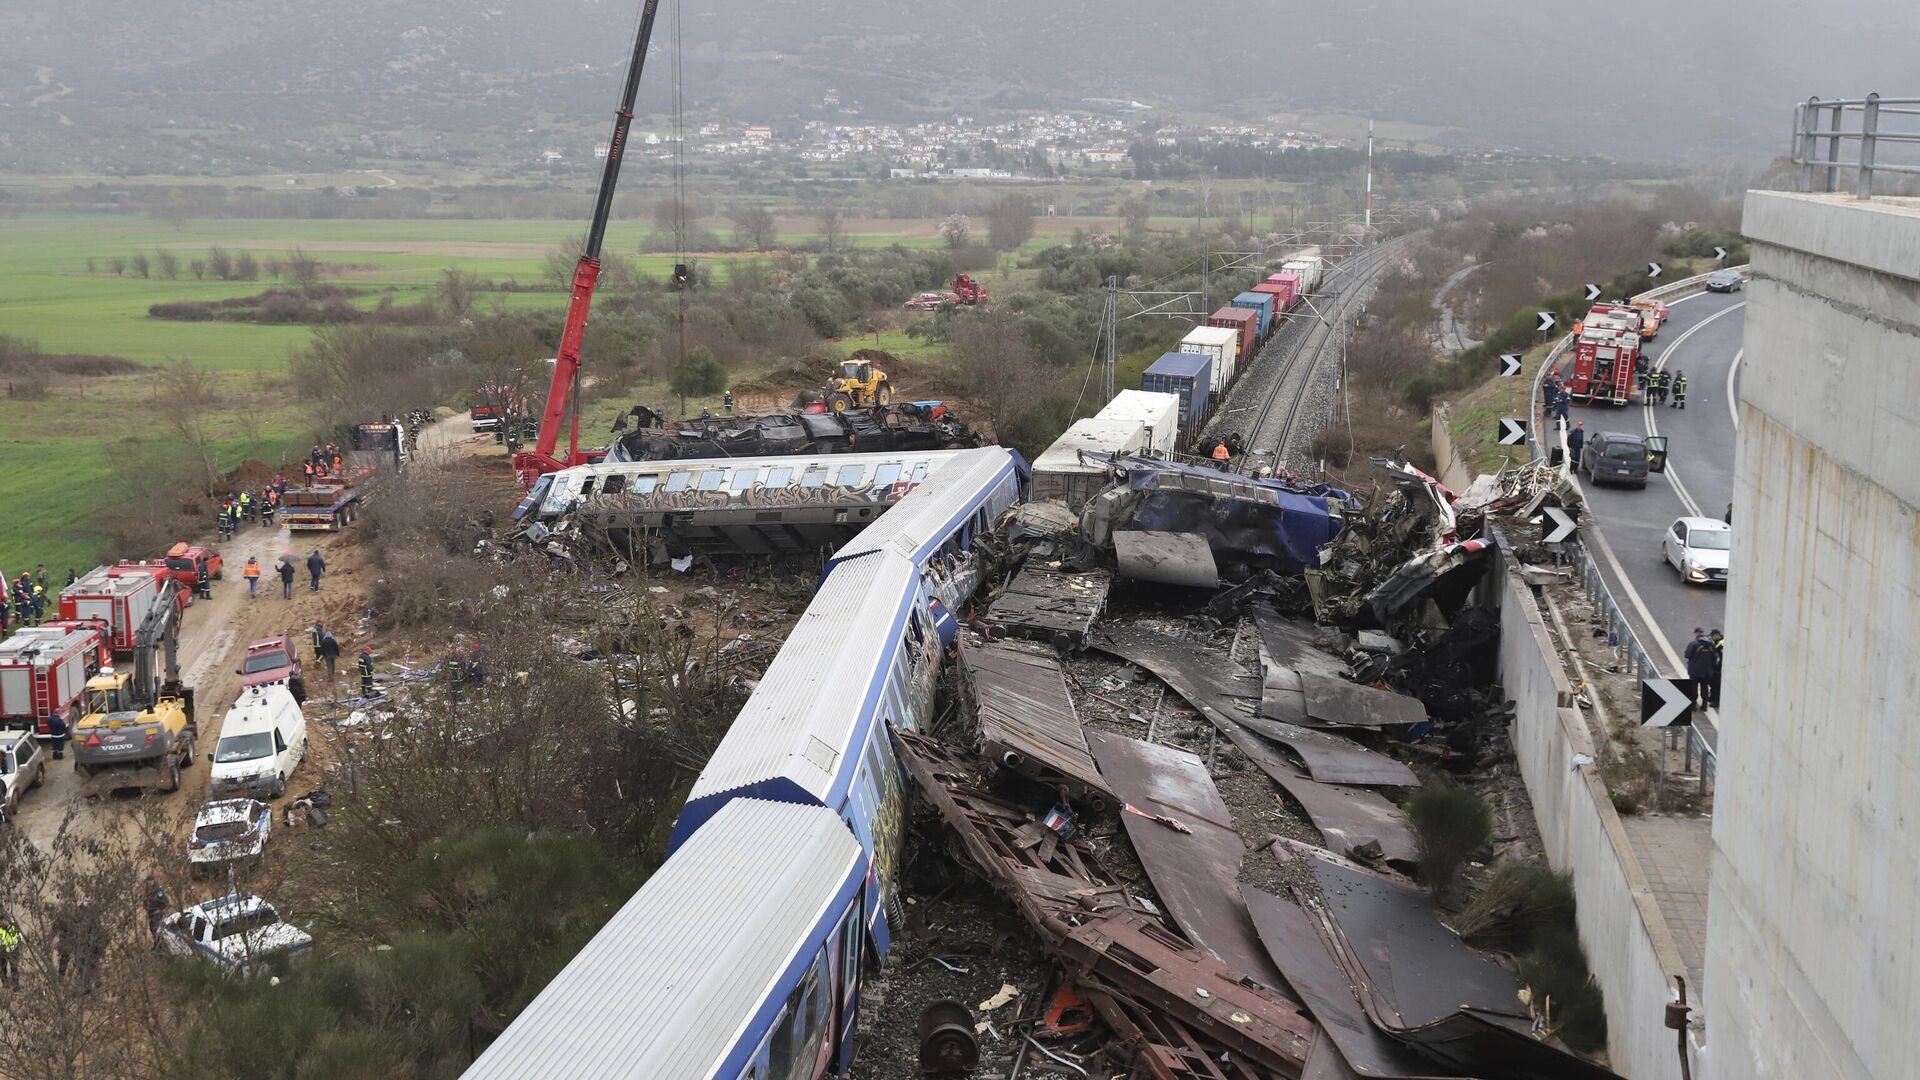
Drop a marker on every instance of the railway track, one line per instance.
(1276, 429)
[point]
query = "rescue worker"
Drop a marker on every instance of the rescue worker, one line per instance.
(366, 671)
(40, 575)
(9, 950)
(336, 461)
(203, 582)
(1702, 666)
(71, 576)
(155, 903)
(6, 619)
(1576, 439)
(314, 635)
(269, 502)
(279, 487)
(22, 601)
(316, 566)
(306, 473)
(286, 580)
(251, 572)
(39, 599)
(313, 457)
(1719, 665)
(330, 653)
(726, 401)
(1679, 389)
(56, 725)
(1221, 456)
(245, 505)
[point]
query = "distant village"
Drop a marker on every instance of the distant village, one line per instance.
(1037, 145)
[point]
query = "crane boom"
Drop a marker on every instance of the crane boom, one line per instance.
(530, 464)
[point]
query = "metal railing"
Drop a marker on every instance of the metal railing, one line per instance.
(1819, 128)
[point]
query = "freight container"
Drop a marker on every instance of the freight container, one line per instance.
(1291, 280)
(1310, 271)
(1281, 295)
(1074, 469)
(1159, 411)
(43, 672)
(120, 602)
(1220, 343)
(1242, 321)
(1262, 305)
(1186, 375)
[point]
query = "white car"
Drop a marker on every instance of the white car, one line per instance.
(1698, 547)
(239, 932)
(227, 831)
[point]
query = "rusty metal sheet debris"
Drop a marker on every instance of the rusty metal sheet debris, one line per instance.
(1289, 643)
(1194, 872)
(1294, 943)
(1132, 952)
(1191, 671)
(1170, 558)
(1425, 987)
(1348, 704)
(1353, 819)
(1026, 716)
(1051, 605)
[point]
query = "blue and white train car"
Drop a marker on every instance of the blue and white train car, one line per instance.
(935, 524)
(738, 960)
(863, 655)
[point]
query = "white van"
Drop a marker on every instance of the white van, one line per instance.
(261, 742)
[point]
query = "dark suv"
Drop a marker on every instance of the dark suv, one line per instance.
(1613, 457)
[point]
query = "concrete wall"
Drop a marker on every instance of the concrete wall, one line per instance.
(1813, 924)
(1628, 945)
(1452, 468)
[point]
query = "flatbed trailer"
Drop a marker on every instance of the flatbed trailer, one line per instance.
(336, 512)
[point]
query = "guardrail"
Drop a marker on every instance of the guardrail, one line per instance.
(1817, 122)
(1689, 741)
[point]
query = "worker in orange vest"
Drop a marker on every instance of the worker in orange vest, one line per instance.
(1221, 455)
(251, 572)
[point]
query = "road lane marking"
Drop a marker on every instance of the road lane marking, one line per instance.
(1646, 407)
(1733, 407)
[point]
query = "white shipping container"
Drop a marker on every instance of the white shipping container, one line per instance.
(1221, 343)
(1062, 474)
(1159, 412)
(1310, 270)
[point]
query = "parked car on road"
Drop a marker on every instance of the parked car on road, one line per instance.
(928, 301)
(1615, 457)
(228, 830)
(23, 764)
(1699, 548)
(239, 932)
(1725, 281)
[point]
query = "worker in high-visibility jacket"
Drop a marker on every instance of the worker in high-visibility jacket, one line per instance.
(366, 671)
(251, 572)
(1221, 455)
(9, 950)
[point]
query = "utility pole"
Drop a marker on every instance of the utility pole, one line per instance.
(1369, 217)
(1110, 332)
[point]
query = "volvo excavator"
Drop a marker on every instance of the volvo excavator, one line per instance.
(530, 465)
(139, 731)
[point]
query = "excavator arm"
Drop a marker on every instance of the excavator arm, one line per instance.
(529, 465)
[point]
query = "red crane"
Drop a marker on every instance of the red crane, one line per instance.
(529, 465)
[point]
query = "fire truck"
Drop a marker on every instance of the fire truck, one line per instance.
(1606, 355)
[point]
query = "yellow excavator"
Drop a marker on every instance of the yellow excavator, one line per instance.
(139, 731)
(858, 383)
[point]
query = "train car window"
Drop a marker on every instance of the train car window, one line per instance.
(801, 1031)
(850, 475)
(743, 479)
(815, 476)
(853, 937)
(919, 472)
(886, 474)
(644, 485)
(712, 479)
(615, 484)
(586, 489)
(678, 481)
(779, 477)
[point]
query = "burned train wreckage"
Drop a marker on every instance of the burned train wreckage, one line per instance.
(919, 425)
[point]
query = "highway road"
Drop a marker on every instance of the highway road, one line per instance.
(1702, 337)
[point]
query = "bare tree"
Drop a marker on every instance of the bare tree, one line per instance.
(169, 263)
(302, 269)
(142, 266)
(754, 227)
(561, 261)
(999, 373)
(117, 266)
(671, 213)
(833, 226)
(246, 267)
(220, 263)
(1009, 222)
(956, 229)
(189, 401)
(199, 268)
(1135, 214)
(456, 292)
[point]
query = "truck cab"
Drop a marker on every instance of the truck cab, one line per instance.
(187, 563)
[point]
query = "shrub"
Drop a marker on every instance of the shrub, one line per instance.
(1450, 824)
(1563, 988)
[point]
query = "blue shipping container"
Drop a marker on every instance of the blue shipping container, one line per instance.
(1188, 375)
(1262, 303)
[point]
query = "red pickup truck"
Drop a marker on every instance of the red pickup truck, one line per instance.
(185, 562)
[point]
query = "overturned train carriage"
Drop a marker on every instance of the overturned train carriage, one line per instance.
(892, 429)
(735, 505)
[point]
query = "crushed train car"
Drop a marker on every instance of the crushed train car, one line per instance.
(1258, 524)
(920, 425)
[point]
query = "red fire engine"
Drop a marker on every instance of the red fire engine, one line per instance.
(1605, 356)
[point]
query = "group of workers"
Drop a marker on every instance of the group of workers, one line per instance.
(316, 566)
(1706, 657)
(1657, 387)
(241, 507)
(24, 599)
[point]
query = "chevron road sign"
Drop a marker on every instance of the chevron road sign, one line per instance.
(1512, 432)
(1666, 702)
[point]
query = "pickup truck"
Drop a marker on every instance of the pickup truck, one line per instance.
(187, 561)
(240, 932)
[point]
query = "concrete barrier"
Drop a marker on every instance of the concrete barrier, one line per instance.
(1453, 470)
(1629, 948)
